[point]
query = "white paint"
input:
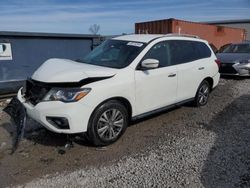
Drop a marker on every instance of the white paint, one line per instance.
(57, 70)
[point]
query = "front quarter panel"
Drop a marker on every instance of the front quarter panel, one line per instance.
(120, 85)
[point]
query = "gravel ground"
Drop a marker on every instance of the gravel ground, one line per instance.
(184, 147)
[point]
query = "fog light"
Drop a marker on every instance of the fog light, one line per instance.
(58, 122)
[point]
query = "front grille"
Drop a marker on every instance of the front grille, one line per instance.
(35, 91)
(227, 68)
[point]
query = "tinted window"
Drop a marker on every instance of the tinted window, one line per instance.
(186, 51)
(174, 52)
(203, 50)
(182, 51)
(159, 51)
(223, 48)
(237, 48)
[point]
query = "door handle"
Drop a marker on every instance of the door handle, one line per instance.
(201, 68)
(172, 75)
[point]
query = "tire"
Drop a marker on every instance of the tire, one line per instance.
(202, 94)
(107, 123)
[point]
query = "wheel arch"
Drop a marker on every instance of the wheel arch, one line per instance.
(210, 81)
(122, 100)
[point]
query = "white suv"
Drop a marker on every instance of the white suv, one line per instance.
(125, 78)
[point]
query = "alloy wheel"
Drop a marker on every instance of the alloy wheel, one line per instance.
(110, 124)
(203, 94)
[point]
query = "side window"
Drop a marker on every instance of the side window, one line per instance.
(202, 50)
(159, 51)
(184, 51)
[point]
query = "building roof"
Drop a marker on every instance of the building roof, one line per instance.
(45, 35)
(229, 21)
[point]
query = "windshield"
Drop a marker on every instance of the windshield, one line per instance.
(114, 53)
(237, 48)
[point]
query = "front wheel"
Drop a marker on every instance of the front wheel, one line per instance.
(202, 94)
(108, 123)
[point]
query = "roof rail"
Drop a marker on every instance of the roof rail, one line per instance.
(181, 35)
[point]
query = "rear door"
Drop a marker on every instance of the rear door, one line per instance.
(191, 66)
(156, 88)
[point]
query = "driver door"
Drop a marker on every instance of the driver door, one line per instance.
(156, 88)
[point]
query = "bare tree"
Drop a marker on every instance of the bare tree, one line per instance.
(94, 29)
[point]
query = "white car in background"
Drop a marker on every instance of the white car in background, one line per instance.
(125, 78)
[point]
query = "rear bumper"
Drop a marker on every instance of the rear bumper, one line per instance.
(216, 79)
(76, 113)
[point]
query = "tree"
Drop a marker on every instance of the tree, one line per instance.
(94, 29)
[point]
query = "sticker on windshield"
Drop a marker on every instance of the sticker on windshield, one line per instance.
(137, 44)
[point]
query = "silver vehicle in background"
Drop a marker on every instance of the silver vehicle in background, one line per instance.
(235, 59)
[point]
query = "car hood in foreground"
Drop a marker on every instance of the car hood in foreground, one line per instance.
(63, 70)
(232, 57)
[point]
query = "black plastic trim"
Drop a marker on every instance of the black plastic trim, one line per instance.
(71, 84)
(140, 116)
(53, 121)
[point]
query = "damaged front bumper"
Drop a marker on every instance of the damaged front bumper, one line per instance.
(57, 116)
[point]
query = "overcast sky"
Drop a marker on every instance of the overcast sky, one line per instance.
(114, 16)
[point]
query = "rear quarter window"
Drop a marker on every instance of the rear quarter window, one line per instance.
(202, 50)
(184, 51)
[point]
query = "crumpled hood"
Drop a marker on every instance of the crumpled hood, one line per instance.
(232, 57)
(64, 70)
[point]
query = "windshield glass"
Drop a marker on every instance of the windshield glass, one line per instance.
(114, 53)
(237, 48)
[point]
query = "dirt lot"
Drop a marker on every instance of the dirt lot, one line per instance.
(184, 147)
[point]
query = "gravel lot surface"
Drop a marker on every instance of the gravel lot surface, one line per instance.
(183, 147)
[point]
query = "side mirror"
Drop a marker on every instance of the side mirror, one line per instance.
(150, 64)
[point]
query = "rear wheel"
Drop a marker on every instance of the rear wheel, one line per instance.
(108, 123)
(202, 94)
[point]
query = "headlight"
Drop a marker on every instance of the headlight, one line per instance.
(66, 94)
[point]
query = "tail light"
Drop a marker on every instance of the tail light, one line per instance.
(218, 62)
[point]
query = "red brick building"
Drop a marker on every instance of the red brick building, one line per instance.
(216, 35)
